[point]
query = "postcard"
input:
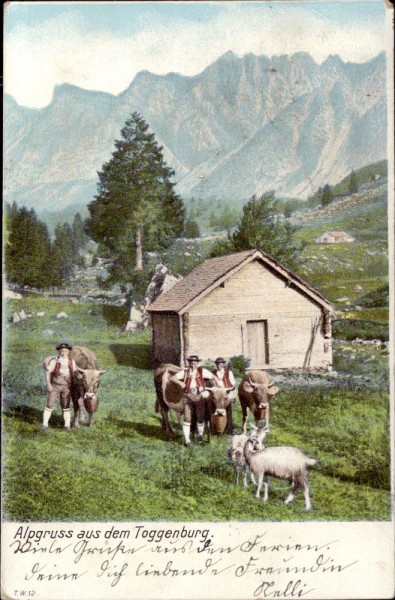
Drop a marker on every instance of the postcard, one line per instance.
(198, 293)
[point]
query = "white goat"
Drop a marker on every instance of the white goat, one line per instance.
(284, 462)
(236, 453)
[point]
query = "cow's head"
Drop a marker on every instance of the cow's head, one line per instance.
(261, 393)
(221, 399)
(91, 381)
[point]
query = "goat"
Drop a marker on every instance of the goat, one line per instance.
(284, 462)
(236, 453)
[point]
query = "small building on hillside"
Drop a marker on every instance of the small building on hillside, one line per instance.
(243, 304)
(334, 237)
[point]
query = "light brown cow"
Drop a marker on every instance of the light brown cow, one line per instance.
(255, 392)
(84, 392)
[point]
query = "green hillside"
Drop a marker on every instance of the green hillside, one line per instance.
(355, 180)
(345, 273)
(364, 175)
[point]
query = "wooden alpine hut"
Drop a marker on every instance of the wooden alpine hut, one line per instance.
(243, 304)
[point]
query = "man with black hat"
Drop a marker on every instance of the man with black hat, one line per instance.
(224, 377)
(192, 380)
(60, 372)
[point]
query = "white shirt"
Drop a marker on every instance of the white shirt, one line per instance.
(219, 376)
(64, 365)
(182, 375)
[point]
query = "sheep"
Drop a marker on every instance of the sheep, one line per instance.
(284, 462)
(236, 453)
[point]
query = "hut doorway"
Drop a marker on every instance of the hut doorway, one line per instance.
(258, 343)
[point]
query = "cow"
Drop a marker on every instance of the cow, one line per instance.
(84, 391)
(169, 396)
(255, 392)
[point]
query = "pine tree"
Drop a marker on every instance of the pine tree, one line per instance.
(228, 218)
(326, 195)
(191, 229)
(28, 248)
(79, 237)
(64, 254)
(353, 183)
(213, 219)
(136, 207)
(261, 228)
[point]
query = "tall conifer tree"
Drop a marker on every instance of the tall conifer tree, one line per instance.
(326, 195)
(64, 253)
(28, 248)
(353, 183)
(136, 208)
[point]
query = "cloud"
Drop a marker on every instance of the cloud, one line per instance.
(70, 48)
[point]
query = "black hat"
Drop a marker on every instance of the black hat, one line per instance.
(64, 345)
(220, 360)
(193, 357)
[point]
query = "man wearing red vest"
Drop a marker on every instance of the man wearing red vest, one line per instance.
(59, 373)
(192, 380)
(224, 377)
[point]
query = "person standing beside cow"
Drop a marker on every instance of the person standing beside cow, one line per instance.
(192, 380)
(60, 372)
(224, 377)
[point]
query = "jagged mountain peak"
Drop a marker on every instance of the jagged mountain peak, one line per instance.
(66, 92)
(227, 57)
(333, 59)
(242, 125)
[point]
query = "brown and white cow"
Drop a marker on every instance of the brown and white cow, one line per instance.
(255, 392)
(84, 391)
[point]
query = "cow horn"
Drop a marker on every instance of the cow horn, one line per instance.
(250, 382)
(104, 371)
(81, 370)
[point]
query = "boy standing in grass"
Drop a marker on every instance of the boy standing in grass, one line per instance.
(60, 372)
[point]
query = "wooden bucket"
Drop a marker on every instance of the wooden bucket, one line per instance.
(218, 423)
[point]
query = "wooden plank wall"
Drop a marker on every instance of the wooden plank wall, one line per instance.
(166, 338)
(217, 324)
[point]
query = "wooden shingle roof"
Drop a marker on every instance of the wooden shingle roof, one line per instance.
(212, 272)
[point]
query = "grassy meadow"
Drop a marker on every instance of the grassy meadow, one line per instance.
(124, 468)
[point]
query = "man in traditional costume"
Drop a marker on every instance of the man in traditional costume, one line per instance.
(224, 377)
(192, 380)
(60, 372)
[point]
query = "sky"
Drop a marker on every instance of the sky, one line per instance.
(101, 46)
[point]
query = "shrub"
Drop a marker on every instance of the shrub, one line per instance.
(191, 229)
(350, 329)
(376, 298)
(239, 364)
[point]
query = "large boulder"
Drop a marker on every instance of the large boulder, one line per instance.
(9, 294)
(19, 316)
(161, 281)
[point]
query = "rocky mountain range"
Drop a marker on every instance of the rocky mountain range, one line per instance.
(242, 126)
